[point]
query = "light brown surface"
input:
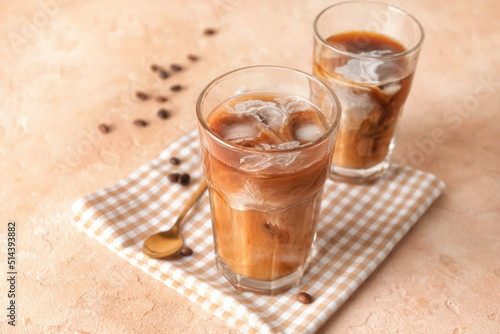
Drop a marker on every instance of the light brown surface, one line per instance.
(81, 64)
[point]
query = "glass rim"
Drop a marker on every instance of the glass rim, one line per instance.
(334, 123)
(410, 50)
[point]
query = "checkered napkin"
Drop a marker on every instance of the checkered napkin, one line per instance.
(358, 228)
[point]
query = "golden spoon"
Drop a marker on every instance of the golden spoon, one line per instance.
(167, 243)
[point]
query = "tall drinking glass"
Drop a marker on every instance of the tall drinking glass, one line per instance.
(367, 53)
(267, 136)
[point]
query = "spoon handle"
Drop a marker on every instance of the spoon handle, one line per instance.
(196, 195)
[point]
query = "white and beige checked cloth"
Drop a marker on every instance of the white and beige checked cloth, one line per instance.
(358, 228)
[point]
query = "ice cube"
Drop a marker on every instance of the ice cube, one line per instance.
(291, 104)
(390, 70)
(270, 117)
(304, 126)
(235, 127)
(252, 106)
(267, 113)
(360, 70)
(266, 140)
(239, 132)
(357, 103)
(391, 88)
(307, 132)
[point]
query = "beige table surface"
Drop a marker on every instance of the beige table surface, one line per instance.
(67, 66)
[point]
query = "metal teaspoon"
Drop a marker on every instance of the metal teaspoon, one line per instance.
(167, 243)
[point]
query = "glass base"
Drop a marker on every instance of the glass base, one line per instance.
(247, 284)
(359, 176)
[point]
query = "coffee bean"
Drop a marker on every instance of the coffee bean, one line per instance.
(163, 114)
(174, 177)
(155, 68)
(164, 74)
(192, 57)
(175, 161)
(185, 178)
(142, 95)
(304, 298)
(209, 31)
(176, 88)
(104, 128)
(186, 251)
(161, 99)
(176, 68)
(140, 122)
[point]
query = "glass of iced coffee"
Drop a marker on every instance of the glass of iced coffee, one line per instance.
(367, 53)
(267, 136)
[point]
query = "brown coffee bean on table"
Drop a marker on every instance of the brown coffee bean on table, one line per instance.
(186, 251)
(142, 95)
(304, 298)
(176, 88)
(209, 31)
(176, 68)
(185, 178)
(104, 128)
(163, 114)
(174, 161)
(140, 123)
(164, 74)
(174, 177)
(161, 99)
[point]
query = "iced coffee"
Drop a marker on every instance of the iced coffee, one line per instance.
(372, 107)
(371, 73)
(266, 157)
